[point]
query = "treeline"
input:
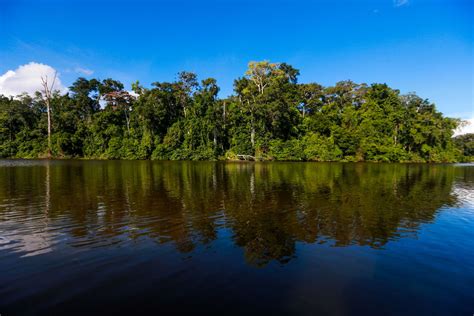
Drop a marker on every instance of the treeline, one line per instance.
(270, 116)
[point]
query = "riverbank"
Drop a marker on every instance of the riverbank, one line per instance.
(254, 159)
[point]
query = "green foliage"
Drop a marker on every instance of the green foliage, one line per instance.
(271, 116)
(311, 147)
(465, 146)
(320, 148)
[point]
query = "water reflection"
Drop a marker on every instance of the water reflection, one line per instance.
(266, 207)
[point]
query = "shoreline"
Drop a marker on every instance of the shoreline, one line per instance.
(245, 161)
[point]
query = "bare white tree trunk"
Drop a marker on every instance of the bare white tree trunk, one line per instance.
(47, 95)
(127, 119)
(252, 133)
(49, 128)
(215, 137)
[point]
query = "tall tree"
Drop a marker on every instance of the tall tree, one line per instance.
(48, 88)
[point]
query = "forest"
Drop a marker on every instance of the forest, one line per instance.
(270, 116)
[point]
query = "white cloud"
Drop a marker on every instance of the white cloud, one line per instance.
(84, 71)
(400, 3)
(466, 129)
(27, 78)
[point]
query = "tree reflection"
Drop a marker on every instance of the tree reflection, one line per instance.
(268, 207)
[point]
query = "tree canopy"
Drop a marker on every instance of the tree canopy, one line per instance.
(270, 116)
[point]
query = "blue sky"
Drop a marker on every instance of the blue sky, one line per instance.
(413, 45)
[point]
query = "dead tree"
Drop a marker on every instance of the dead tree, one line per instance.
(48, 95)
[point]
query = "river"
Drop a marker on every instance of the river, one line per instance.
(130, 237)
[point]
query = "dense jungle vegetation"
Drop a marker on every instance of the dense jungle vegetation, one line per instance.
(270, 116)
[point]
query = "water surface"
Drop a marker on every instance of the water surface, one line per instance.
(81, 237)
